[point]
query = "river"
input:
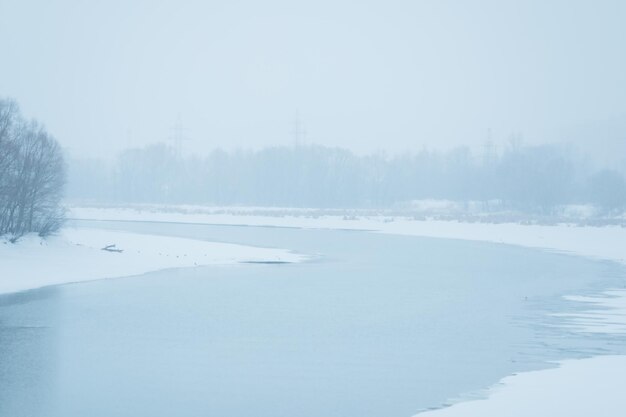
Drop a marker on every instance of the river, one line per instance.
(373, 325)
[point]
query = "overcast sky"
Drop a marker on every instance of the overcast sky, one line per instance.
(367, 75)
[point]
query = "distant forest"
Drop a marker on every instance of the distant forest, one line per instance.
(527, 178)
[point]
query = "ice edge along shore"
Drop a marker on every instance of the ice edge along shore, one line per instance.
(76, 255)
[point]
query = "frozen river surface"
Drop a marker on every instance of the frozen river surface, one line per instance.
(375, 325)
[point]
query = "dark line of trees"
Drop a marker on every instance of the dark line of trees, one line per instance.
(32, 176)
(525, 178)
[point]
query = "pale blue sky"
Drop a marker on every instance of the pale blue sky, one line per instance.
(366, 75)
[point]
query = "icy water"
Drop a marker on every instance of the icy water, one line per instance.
(376, 325)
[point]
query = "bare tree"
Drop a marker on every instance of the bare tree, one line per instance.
(32, 176)
(8, 158)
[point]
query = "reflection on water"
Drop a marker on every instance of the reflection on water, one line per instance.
(377, 326)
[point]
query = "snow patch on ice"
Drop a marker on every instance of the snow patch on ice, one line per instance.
(609, 316)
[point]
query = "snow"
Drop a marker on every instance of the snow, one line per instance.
(577, 388)
(76, 255)
(583, 387)
(608, 242)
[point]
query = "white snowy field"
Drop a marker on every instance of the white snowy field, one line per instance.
(76, 255)
(583, 387)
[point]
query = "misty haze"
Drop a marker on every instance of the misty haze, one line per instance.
(405, 208)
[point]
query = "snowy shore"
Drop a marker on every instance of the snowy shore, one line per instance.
(608, 242)
(76, 255)
(575, 388)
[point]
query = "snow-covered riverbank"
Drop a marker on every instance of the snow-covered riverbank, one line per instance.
(76, 255)
(608, 242)
(575, 388)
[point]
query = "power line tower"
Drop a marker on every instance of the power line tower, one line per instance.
(177, 136)
(298, 132)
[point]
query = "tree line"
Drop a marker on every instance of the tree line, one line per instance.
(526, 178)
(32, 176)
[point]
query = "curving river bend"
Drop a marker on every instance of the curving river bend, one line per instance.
(375, 325)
